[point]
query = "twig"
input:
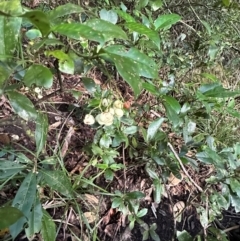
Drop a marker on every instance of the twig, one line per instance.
(124, 169)
(183, 168)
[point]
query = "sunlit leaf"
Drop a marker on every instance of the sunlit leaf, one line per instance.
(40, 20)
(66, 63)
(110, 16)
(166, 21)
(154, 128)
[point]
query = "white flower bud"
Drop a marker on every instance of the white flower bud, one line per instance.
(118, 112)
(37, 90)
(118, 104)
(105, 118)
(106, 102)
(89, 119)
(111, 110)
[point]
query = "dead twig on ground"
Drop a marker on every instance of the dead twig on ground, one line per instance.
(183, 168)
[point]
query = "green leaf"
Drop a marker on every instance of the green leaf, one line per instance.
(63, 10)
(127, 17)
(119, 137)
(172, 102)
(154, 128)
(9, 28)
(66, 63)
(41, 132)
(166, 21)
(156, 4)
(145, 66)
(33, 34)
(142, 29)
(142, 4)
(142, 212)
(90, 85)
(38, 75)
(154, 235)
(130, 130)
(22, 105)
(58, 181)
(4, 75)
(110, 16)
(24, 200)
(184, 236)
(128, 71)
(35, 219)
(108, 174)
(235, 200)
(158, 190)
(207, 26)
(40, 20)
(226, 3)
(134, 195)
(48, 230)
(9, 168)
(78, 31)
(10, 214)
(108, 30)
(151, 88)
(235, 186)
(117, 201)
(105, 141)
(216, 90)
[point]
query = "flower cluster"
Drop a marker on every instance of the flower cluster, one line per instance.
(107, 117)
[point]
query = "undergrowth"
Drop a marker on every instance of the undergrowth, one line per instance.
(156, 88)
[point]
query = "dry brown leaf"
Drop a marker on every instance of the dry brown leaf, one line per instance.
(178, 210)
(174, 181)
(90, 216)
(92, 199)
(4, 139)
(67, 140)
(54, 125)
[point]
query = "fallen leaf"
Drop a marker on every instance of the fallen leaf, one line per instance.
(90, 216)
(173, 181)
(178, 210)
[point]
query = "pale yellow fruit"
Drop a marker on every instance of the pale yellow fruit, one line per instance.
(118, 104)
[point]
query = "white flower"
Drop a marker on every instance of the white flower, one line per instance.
(105, 118)
(89, 119)
(111, 110)
(39, 96)
(106, 102)
(118, 104)
(118, 112)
